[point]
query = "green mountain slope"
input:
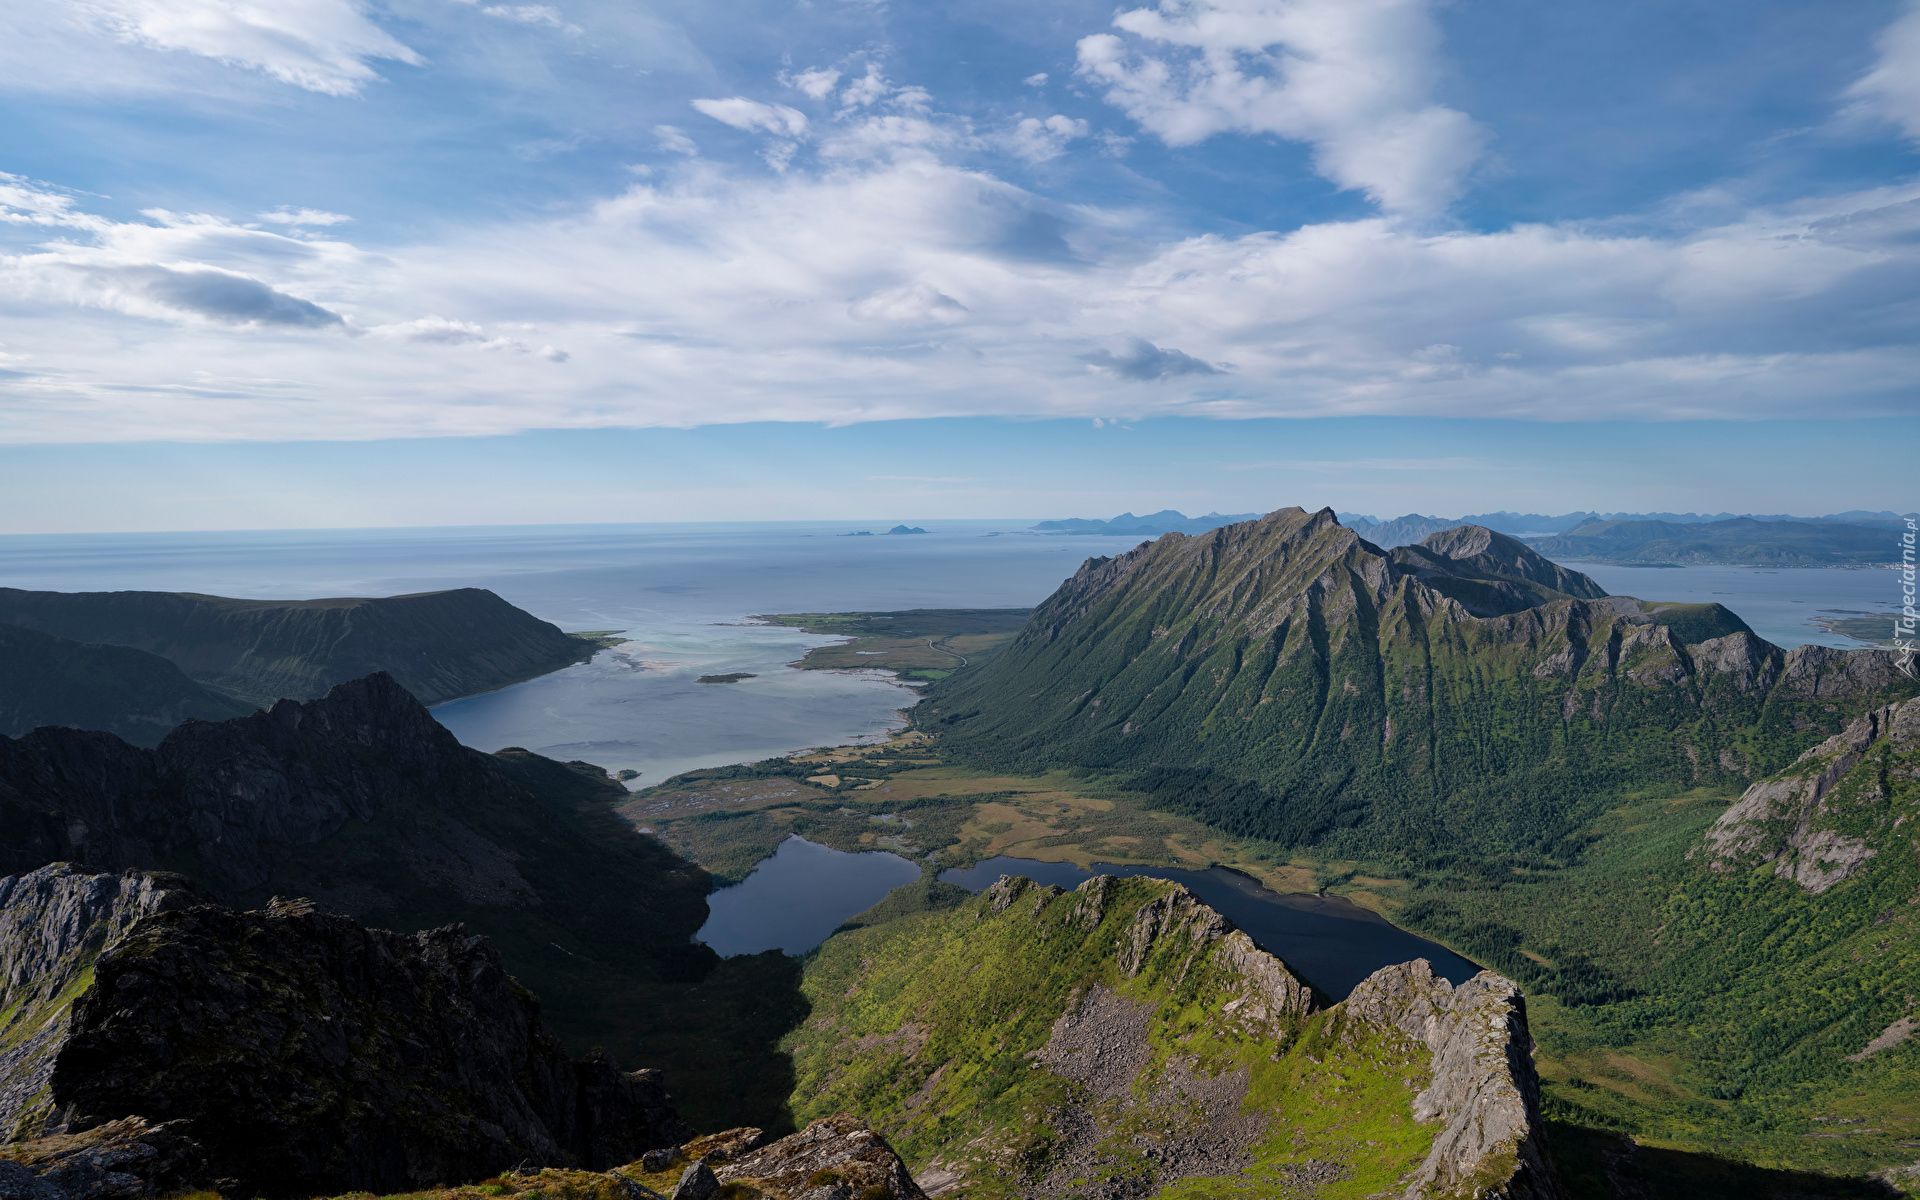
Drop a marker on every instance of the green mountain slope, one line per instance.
(47, 680)
(1762, 962)
(1286, 679)
(1122, 1040)
(1739, 540)
(439, 645)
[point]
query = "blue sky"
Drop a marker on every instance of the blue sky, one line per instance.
(451, 260)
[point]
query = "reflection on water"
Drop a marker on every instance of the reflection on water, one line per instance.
(1331, 942)
(799, 896)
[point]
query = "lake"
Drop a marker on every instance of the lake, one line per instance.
(683, 593)
(795, 899)
(1331, 942)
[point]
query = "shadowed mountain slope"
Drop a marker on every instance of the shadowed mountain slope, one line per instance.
(439, 645)
(47, 680)
(363, 802)
(303, 1051)
(1463, 699)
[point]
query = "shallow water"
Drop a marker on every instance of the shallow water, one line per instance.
(1330, 942)
(797, 897)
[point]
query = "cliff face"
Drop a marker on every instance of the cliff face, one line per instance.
(363, 802)
(1033, 1042)
(1287, 679)
(1838, 806)
(306, 1052)
(438, 645)
(47, 680)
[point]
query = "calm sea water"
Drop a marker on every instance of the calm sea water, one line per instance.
(798, 896)
(683, 592)
(1330, 942)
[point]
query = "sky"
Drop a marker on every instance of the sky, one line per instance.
(314, 263)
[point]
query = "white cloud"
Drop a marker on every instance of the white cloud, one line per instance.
(915, 303)
(672, 139)
(1036, 80)
(301, 216)
(533, 14)
(320, 45)
(1354, 78)
(1890, 89)
(817, 83)
(863, 91)
(1036, 140)
(752, 115)
(899, 286)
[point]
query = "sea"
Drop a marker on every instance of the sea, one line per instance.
(685, 596)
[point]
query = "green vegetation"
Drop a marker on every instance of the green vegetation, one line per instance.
(922, 644)
(1534, 783)
(438, 645)
(139, 696)
(729, 677)
(932, 1025)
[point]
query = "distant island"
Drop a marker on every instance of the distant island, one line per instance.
(897, 529)
(729, 677)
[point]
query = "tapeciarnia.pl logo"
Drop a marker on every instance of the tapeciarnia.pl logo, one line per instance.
(1903, 625)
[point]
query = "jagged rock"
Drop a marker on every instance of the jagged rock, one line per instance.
(1483, 1087)
(130, 1158)
(53, 925)
(1175, 914)
(306, 1052)
(1005, 890)
(839, 1156)
(724, 1146)
(1784, 820)
(697, 1182)
(1093, 901)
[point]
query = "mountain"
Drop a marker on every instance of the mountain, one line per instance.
(439, 645)
(1740, 540)
(1464, 701)
(1123, 1040)
(302, 1051)
(1151, 525)
(1736, 977)
(47, 680)
(364, 803)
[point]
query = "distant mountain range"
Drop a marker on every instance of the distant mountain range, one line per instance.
(1152, 525)
(1400, 531)
(1838, 539)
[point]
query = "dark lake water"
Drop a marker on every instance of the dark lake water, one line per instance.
(1332, 942)
(800, 895)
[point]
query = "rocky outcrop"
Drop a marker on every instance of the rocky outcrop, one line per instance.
(835, 1158)
(128, 1159)
(1482, 1088)
(54, 923)
(439, 645)
(305, 1052)
(1790, 820)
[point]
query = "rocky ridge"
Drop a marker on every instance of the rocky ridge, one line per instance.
(301, 1051)
(1818, 821)
(1287, 679)
(1139, 1040)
